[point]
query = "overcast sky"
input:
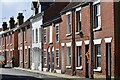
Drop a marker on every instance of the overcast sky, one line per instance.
(9, 8)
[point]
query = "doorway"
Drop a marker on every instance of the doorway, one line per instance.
(86, 62)
(108, 61)
(52, 69)
(48, 59)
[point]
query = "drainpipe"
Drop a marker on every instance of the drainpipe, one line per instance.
(73, 42)
(91, 42)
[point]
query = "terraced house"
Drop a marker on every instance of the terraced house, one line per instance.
(75, 38)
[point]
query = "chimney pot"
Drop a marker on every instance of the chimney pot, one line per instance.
(4, 25)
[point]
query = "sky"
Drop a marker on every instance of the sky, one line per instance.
(11, 8)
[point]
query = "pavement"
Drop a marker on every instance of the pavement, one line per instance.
(50, 73)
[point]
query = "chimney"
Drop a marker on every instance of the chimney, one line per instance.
(4, 25)
(35, 7)
(20, 18)
(12, 23)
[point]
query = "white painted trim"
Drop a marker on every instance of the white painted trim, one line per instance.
(52, 48)
(62, 44)
(57, 24)
(98, 69)
(25, 47)
(79, 67)
(0, 50)
(68, 44)
(57, 49)
(28, 46)
(87, 42)
(68, 67)
(11, 50)
(79, 43)
(108, 40)
(20, 48)
(96, 2)
(45, 49)
(67, 13)
(78, 9)
(97, 41)
(50, 34)
(49, 50)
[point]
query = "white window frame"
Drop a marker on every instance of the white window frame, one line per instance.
(40, 35)
(57, 57)
(57, 26)
(36, 33)
(68, 24)
(78, 28)
(98, 16)
(98, 55)
(69, 56)
(79, 57)
(45, 58)
(50, 37)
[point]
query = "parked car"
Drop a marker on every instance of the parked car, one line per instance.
(2, 61)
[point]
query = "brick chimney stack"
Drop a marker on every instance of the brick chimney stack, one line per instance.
(4, 25)
(20, 18)
(12, 23)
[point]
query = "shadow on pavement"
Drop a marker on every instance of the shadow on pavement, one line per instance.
(17, 77)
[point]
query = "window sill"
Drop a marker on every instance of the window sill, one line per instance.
(68, 34)
(68, 67)
(58, 66)
(97, 29)
(45, 64)
(25, 41)
(98, 69)
(79, 68)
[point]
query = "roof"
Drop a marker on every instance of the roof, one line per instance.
(53, 12)
(70, 6)
(73, 5)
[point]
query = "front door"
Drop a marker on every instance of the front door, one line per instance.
(63, 69)
(48, 59)
(108, 61)
(86, 62)
(52, 60)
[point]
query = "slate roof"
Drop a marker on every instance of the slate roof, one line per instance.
(53, 12)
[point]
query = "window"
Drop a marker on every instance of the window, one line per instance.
(25, 34)
(40, 35)
(21, 36)
(68, 56)
(98, 55)
(33, 36)
(57, 58)
(57, 33)
(36, 35)
(45, 58)
(97, 17)
(11, 39)
(79, 56)
(68, 24)
(78, 20)
(50, 34)
(45, 35)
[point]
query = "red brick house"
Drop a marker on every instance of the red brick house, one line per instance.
(9, 43)
(51, 25)
(75, 38)
(24, 41)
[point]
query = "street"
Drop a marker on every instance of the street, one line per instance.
(12, 74)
